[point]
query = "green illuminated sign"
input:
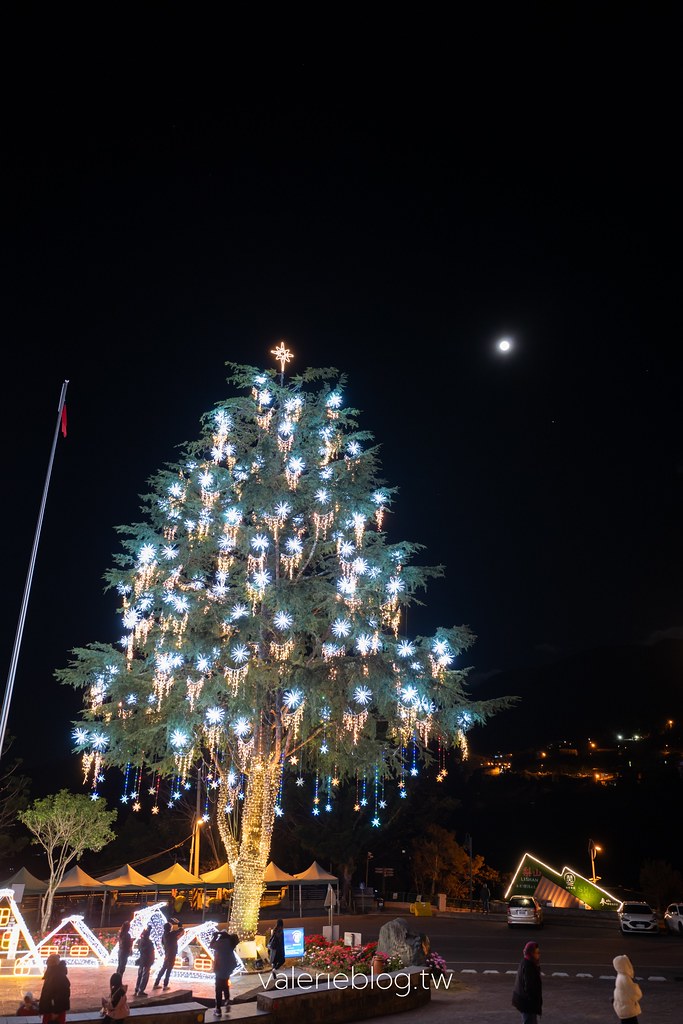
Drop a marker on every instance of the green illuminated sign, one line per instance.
(531, 871)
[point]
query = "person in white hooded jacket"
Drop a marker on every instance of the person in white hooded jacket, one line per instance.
(627, 993)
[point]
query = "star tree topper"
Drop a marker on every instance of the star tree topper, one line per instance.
(283, 356)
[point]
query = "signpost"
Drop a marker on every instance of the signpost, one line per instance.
(385, 873)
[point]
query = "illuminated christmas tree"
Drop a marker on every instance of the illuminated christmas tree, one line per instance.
(263, 609)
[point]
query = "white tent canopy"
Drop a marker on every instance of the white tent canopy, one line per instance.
(276, 875)
(78, 880)
(314, 873)
(176, 876)
(219, 876)
(24, 877)
(128, 878)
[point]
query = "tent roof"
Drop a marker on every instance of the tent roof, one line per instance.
(275, 874)
(23, 876)
(314, 873)
(175, 875)
(219, 876)
(77, 880)
(127, 878)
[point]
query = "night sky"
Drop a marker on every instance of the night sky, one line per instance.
(394, 228)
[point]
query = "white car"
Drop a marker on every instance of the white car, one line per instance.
(637, 916)
(673, 918)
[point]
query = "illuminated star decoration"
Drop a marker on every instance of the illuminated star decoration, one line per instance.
(283, 356)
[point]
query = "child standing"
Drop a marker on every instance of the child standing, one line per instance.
(627, 993)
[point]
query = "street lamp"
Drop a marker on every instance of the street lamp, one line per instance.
(194, 848)
(593, 848)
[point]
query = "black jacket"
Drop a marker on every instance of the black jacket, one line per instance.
(169, 940)
(276, 946)
(125, 943)
(55, 996)
(527, 994)
(224, 959)
(146, 950)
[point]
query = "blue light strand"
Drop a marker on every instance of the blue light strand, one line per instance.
(316, 798)
(124, 795)
(402, 783)
(375, 820)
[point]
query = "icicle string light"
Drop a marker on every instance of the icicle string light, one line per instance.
(280, 497)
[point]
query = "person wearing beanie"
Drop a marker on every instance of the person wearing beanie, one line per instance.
(627, 993)
(29, 1006)
(145, 960)
(527, 994)
(223, 945)
(173, 931)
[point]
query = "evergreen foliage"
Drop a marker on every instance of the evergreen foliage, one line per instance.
(262, 608)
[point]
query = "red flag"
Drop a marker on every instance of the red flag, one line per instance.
(64, 420)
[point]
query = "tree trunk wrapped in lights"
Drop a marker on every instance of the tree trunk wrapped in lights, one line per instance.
(262, 608)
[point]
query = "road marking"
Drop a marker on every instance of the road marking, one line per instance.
(558, 974)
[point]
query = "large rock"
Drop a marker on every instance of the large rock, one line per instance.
(396, 939)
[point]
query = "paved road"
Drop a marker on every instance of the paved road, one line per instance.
(479, 992)
(474, 998)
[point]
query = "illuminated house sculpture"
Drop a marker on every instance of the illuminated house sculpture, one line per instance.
(194, 966)
(190, 965)
(19, 954)
(74, 942)
(151, 916)
(565, 888)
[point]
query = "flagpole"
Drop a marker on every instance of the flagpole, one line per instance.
(61, 422)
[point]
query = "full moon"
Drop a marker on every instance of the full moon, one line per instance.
(504, 345)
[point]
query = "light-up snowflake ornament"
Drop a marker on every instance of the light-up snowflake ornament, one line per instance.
(239, 653)
(147, 554)
(292, 699)
(179, 739)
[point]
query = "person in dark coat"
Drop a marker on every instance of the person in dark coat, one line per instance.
(276, 946)
(169, 940)
(527, 994)
(55, 996)
(147, 955)
(224, 963)
(125, 947)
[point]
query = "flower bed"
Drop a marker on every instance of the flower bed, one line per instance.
(436, 965)
(333, 957)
